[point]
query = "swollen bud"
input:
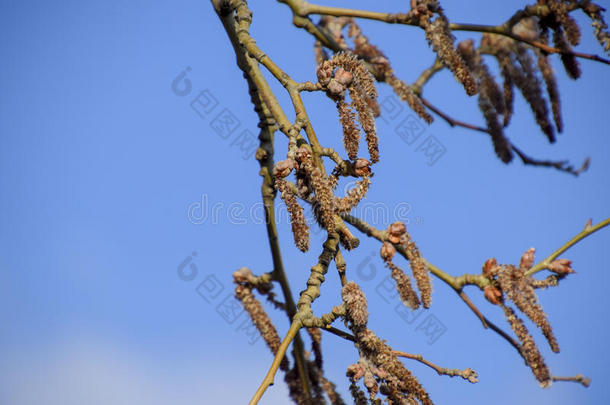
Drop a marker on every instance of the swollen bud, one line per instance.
(493, 295)
(387, 251)
(283, 168)
(490, 267)
(527, 259)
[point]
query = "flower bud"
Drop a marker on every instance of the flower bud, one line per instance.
(397, 228)
(527, 259)
(343, 76)
(335, 88)
(560, 266)
(324, 72)
(355, 372)
(490, 267)
(301, 154)
(283, 168)
(493, 295)
(362, 167)
(387, 251)
(242, 275)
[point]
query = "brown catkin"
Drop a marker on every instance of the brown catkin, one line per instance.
(316, 345)
(569, 61)
(331, 391)
(300, 230)
(490, 100)
(420, 272)
(363, 94)
(381, 355)
(515, 285)
(358, 395)
(528, 83)
(372, 54)
(505, 63)
(408, 296)
(405, 93)
(501, 144)
(260, 319)
(529, 350)
(563, 18)
(355, 303)
(551, 88)
(367, 121)
(354, 196)
(295, 389)
(324, 197)
(351, 132)
(440, 38)
(600, 28)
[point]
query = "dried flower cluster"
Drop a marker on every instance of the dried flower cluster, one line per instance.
(317, 188)
(509, 282)
(381, 370)
(397, 235)
(441, 39)
(345, 72)
(243, 292)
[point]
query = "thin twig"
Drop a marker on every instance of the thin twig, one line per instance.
(581, 235)
(467, 374)
(579, 378)
(268, 380)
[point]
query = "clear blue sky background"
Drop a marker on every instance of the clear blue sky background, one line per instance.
(101, 164)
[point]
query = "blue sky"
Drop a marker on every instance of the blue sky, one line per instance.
(111, 181)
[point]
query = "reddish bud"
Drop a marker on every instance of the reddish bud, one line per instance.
(335, 88)
(242, 275)
(301, 154)
(387, 251)
(489, 267)
(493, 295)
(283, 168)
(362, 167)
(527, 259)
(343, 76)
(589, 224)
(561, 266)
(396, 231)
(355, 372)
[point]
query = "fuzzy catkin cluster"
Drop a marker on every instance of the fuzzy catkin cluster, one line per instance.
(491, 100)
(355, 303)
(441, 39)
(379, 368)
(519, 70)
(300, 229)
(600, 28)
(364, 49)
(529, 350)
(397, 234)
(345, 72)
(258, 315)
(508, 282)
(565, 33)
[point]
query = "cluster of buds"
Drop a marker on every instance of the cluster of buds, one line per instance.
(366, 371)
